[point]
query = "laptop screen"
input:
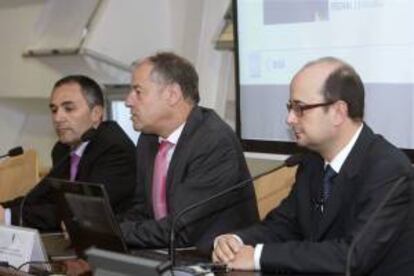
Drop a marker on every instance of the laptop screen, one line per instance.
(87, 214)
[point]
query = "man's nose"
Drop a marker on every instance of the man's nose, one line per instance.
(290, 119)
(128, 99)
(58, 116)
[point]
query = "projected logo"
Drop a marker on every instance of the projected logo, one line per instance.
(294, 11)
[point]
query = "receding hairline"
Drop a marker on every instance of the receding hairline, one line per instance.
(146, 61)
(332, 64)
(137, 63)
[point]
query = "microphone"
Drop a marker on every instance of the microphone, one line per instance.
(86, 136)
(13, 152)
(289, 162)
(318, 204)
(364, 229)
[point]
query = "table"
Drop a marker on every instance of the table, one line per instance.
(184, 256)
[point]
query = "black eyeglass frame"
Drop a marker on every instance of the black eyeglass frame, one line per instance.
(298, 108)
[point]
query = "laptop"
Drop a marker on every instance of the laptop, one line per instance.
(85, 210)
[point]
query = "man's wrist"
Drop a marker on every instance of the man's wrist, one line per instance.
(257, 255)
(7, 216)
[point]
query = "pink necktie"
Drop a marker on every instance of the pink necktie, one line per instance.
(74, 162)
(159, 180)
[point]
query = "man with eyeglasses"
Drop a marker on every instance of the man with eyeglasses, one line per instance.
(347, 174)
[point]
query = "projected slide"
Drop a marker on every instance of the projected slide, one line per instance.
(277, 37)
(297, 11)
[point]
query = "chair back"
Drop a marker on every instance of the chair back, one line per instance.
(272, 188)
(18, 175)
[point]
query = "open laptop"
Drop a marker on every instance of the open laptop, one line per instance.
(86, 211)
(88, 216)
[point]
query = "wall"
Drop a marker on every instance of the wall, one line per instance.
(21, 77)
(192, 26)
(26, 122)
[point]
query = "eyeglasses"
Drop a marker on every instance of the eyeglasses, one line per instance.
(298, 108)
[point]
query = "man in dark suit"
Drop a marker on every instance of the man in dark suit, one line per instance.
(339, 184)
(107, 156)
(185, 154)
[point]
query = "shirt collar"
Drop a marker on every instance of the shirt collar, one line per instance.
(340, 158)
(174, 136)
(80, 149)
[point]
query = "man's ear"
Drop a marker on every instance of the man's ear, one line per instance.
(341, 111)
(175, 94)
(97, 113)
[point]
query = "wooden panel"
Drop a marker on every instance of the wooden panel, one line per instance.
(18, 175)
(272, 188)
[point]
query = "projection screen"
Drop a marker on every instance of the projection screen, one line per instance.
(275, 38)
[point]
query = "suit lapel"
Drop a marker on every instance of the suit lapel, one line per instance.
(343, 184)
(90, 154)
(61, 161)
(314, 176)
(193, 122)
(150, 154)
(334, 203)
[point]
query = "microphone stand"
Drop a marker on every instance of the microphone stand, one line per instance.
(361, 233)
(193, 206)
(87, 136)
(22, 203)
(290, 162)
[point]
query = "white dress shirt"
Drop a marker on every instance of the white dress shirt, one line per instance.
(173, 139)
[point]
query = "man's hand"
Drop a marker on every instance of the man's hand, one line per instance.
(226, 248)
(77, 267)
(231, 251)
(244, 259)
(2, 214)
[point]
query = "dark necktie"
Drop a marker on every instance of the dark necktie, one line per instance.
(328, 176)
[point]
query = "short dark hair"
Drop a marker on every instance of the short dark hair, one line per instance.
(170, 68)
(90, 89)
(344, 84)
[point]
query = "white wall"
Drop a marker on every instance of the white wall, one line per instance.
(26, 83)
(21, 77)
(26, 122)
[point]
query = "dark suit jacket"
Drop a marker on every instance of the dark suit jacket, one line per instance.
(207, 159)
(297, 237)
(109, 159)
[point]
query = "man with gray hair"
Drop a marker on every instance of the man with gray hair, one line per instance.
(186, 153)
